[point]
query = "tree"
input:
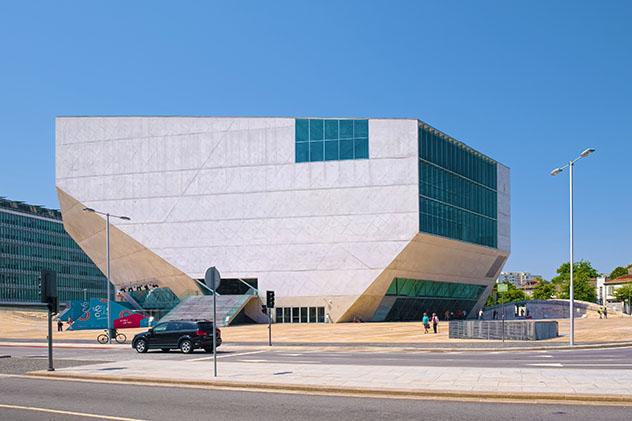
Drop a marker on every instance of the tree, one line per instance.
(543, 290)
(581, 269)
(512, 294)
(618, 271)
(583, 274)
(624, 293)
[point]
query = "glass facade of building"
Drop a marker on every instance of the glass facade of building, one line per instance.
(449, 300)
(457, 190)
(331, 139)
(33, 238)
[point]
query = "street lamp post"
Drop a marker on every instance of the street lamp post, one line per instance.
(555, 172)
(107, 260)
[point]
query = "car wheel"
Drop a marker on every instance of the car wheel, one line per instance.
(165, 349)
(186, 346)
(141, 346)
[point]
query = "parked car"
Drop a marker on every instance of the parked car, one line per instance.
(186, 335)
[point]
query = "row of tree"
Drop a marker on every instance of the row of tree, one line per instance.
(559, 287)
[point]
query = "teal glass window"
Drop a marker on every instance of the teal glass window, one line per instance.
(343, 139)
(414, 297)
(316, 151)
(457, 190)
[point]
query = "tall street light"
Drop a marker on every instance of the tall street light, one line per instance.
(555, 172)
(107, 259)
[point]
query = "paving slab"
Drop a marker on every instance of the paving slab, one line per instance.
(567, 383)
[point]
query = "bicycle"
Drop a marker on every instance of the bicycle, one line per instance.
(105, 337)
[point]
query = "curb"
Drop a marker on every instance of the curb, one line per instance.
(405, 347)
(354, 391)
(55, 345)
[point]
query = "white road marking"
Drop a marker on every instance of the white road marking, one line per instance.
(58, 411)
(544, 356)
(227, 356)
(547, 365)
(592, 364)
(254, 361)
(291, 355)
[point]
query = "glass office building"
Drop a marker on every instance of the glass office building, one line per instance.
(32, 238)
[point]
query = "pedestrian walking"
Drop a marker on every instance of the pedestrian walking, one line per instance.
(605, 312)
(60, 325)
(426, 322)
(480, 314)
(600, 313)
(435, 322)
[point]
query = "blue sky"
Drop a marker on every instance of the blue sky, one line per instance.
(530, 83)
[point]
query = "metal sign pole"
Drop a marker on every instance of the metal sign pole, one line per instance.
(214, 332)
(502, 307)
(212, 279)
(269, 327)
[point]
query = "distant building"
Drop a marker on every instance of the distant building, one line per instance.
(517, 278)
(32, 238)
(606, 288)
(528, 287)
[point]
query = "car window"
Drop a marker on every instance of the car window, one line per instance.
(180, 326)
(160, 327)
(206, 326)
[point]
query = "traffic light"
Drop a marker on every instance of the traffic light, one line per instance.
(48, 289)
(270, 299)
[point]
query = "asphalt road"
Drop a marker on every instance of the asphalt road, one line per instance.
(42, 399)
(598, 359)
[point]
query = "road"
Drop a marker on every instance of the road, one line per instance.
(598, 359)
(40, 399)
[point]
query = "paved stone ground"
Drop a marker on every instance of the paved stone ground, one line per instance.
(32, 325)
(469, 379)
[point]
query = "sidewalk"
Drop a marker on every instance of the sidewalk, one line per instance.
(545, 384)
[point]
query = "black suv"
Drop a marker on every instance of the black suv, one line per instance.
(187, 335)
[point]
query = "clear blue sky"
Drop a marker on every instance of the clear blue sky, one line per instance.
(530, 83)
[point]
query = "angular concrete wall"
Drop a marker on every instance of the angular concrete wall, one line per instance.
(227, 192)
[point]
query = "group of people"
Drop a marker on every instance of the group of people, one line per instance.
(425, 320)
(603, 312)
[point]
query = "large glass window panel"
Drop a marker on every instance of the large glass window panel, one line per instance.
(316, 130)
(295, 315)
(321, 314)
(302, 152)
(361, 148)
(331, 150)
(346, 129)
(331, 130)
(316, 151)
(361, 128)
(302, 130)
(346, 149)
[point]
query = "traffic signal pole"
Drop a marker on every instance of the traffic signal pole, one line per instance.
(269, 327)
(269, 306)
(50, 338)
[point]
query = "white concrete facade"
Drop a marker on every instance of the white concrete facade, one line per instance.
(226, 192)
